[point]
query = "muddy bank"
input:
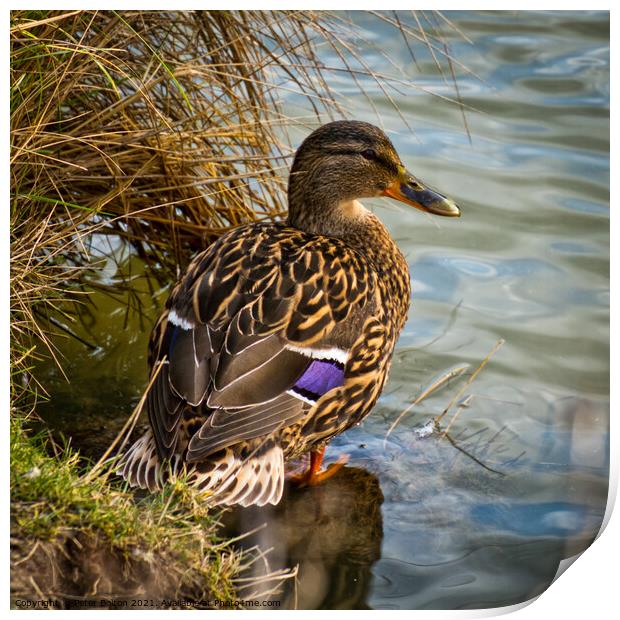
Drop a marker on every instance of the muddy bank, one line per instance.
(81, 571)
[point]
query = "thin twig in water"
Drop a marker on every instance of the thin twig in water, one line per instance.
(434, 385)
(54, 321)
(460, 393)
(472, 457)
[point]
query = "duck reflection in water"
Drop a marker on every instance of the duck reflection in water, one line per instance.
(332, 533)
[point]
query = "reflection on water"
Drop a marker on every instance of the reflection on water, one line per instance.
(482, 521)
(332, 534)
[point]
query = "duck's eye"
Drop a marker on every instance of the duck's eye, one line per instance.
(369, 154)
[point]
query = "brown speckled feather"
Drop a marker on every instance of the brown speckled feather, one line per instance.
(255, 292)
(281, 291)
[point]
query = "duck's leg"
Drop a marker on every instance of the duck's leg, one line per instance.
(314, 475)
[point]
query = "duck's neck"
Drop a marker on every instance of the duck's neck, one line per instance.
(361, 230)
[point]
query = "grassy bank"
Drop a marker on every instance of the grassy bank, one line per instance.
(118, 546)
(163, 130)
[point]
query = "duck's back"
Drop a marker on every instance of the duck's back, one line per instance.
(266, 323)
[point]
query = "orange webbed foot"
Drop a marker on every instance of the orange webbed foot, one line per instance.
(314, 475)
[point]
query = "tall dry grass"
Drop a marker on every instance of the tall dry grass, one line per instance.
(164, 128)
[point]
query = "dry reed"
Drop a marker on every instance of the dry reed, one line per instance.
(164, 128)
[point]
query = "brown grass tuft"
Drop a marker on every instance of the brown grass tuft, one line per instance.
(164, 128)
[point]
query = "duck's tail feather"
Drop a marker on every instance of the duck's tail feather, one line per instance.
(232, 477)
(227, 477)
(141, 466)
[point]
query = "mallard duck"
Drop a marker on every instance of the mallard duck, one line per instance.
(280, 335)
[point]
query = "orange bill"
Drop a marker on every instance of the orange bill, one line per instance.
(413, 192)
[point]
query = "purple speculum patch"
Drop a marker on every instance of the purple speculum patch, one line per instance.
(320, 377)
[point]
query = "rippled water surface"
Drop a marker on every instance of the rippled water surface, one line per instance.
(483, 518)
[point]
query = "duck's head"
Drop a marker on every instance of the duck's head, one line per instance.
(345, 160)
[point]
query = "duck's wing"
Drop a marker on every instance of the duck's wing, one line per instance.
(255, 334)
